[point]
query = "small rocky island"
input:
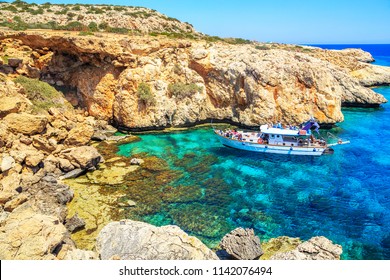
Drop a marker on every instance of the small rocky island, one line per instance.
(63, 91)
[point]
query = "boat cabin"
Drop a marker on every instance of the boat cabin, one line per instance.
(286, 137)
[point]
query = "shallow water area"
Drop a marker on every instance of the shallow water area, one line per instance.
(341, 196)
(189, 179)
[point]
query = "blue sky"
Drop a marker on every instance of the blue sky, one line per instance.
(294, 21)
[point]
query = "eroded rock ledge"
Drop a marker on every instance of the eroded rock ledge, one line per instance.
(153, 82)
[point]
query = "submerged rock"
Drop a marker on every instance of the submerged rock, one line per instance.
(113, 175)
(131, 240)
(242, 244)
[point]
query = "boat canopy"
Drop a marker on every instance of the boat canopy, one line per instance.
(283, 131)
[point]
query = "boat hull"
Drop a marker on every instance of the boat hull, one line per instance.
(271, 149)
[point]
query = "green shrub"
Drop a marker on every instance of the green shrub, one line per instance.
(86, 33)
(119, 9)
(212, 39)
(93, 26)
(10, 8)
(75, 26)
(62, 12)
(16, 24)
(76, 8)
(39, 11)
(70, 15)
(120, 30)
(103, 26)
(262, 47)
(94, 10)
(182, 90)
(145, 94)
(42, 95)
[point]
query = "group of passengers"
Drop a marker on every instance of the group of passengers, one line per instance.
(280, 125)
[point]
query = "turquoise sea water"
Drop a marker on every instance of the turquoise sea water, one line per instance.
(344, 196)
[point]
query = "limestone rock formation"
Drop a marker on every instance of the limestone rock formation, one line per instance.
(84, 157)
(242, 244)
(70, 253)
(188, 81)
(317, 248)
(49, 196)
(12, 104)
(281, 244)
(6, 163)
(74, 223)
(133, 240)
(28, 235)
(373, 75)
(25, 123)
(79, 135)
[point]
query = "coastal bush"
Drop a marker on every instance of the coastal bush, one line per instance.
(145, 94)
(39, 11)
(120, 30)
(75, 26)
(93, 26)
(119, 8)
(62, 12)
(10, 8)
(262, 47)
(42, 95)
(94, 10)
(20, 3)
(237, 41)
(71, 15)
(212, 39)
(103, 25)
(15, 24)
(139, 14)
(182, 90)
(76, 8)
(86, 33)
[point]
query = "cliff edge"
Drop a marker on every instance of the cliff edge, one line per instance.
(144, 82)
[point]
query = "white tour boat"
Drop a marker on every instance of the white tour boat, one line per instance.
(278, 140)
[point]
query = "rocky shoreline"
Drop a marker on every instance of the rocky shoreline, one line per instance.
(146, 83)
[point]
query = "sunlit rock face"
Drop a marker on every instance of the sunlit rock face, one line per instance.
(144, 82)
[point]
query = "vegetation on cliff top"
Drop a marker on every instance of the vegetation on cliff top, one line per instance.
(118, 19)
(88, 19)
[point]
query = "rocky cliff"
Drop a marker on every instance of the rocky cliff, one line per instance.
(143, 82)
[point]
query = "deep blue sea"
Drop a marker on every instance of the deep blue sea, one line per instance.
(344, 196)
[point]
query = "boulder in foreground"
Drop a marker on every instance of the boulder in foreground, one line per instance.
(242, 244)
(132, 240)
(316, 248)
